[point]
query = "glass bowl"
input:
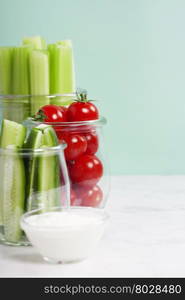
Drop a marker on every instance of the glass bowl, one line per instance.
(65, 235)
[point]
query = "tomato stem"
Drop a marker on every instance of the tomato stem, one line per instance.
(81, 96)
(40, 116)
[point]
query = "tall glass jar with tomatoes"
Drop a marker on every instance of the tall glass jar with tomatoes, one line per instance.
(80, 127)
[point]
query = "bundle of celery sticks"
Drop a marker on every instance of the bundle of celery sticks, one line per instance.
(37, 69)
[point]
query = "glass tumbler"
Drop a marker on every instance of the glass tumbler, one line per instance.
(30, 179)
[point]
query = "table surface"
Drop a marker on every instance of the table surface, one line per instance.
(145, 237)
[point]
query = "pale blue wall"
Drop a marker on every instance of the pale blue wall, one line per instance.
(131, 55)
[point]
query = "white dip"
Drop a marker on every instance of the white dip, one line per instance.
(65, 236)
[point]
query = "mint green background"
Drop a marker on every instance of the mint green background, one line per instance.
(131, 55)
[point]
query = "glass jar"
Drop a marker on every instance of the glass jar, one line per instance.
(87, 167)
(30, 179)
(20, 107)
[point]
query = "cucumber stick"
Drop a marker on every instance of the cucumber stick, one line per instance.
(12, 184)
(13, 194)
(43, 169)
(34, 141)
(47, 181)
(12, 133)
(48, 172)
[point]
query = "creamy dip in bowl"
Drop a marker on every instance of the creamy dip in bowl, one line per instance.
(65, 235)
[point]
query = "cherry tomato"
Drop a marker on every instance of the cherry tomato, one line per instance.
(70, 163)
(91, 196)
(86, 170)
(51, 113)
(82, 111)
(64, 108)
(92, 142)
(76, 146)
(60, 132)
(75, 200)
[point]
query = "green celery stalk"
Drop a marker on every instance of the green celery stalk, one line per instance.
(52, 66)
(36, 41)
(62, 75)
(39, 79)
(5, 70)
(5, 79)
(19, 108)
(20, 70)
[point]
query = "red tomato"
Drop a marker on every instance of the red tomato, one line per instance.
(70, 163)
(76, 146)
(86, 170)
(64, 108)
(82, 111)
(91, 196)
(92, 142)
(75, 200)
(61, 132)
(51, 113)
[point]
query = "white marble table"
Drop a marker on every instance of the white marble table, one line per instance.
(146, 236)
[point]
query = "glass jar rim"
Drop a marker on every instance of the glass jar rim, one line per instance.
(29, 151)
(98, 122)
(17, 96)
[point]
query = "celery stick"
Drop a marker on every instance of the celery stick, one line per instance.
(39, 72)
(5, 70)
(52, 66)
(36, 41)
(63, 68)
(39, 79)
(20, 72)
(5, 79)
(62, 77)
(19, 108)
